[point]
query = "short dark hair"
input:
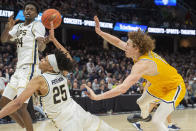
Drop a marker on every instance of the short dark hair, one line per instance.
(64, 63)
(32, 3)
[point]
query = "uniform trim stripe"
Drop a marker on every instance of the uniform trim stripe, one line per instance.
(158, 98)
(32, 71)
(43, 106)
(177, 93)
(34, 61)
(40, 100)
(173, 101)
(155, 63)
(169, 102)
(35, 53)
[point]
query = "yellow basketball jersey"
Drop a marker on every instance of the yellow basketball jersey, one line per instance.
(167, 83)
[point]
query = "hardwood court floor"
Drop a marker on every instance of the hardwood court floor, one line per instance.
(186, 119)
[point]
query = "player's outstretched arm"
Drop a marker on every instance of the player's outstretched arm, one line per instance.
(56, 43)
(108, 37)
(5, 36)
(15, 104)
(137, 71)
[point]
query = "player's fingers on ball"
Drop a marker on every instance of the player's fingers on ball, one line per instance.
(52, 25)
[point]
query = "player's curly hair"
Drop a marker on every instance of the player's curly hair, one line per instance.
(32, 3)
(142, 40)
(64, 63)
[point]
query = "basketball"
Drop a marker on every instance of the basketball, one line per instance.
(51, 15)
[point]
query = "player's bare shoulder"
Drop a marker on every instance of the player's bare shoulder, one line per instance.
(146, 62)
(40, 83)
(38, 80)
(149, 66)
(143, 63)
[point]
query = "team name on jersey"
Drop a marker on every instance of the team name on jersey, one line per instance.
(55, 81)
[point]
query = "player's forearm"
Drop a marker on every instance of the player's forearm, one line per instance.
(60, 47)
(5, 35)
(111, 39)
(120, 89)
(10, 108)
(41, 46)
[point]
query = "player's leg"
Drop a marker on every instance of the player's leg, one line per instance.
(161, 114)
(8, 95)
(144, 103)
(24, 75)
(26, 117)
(25, 114)
(87, 121)
(137, 125)
(171, 126)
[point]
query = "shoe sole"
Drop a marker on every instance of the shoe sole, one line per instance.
(149, 118)
(134, 120)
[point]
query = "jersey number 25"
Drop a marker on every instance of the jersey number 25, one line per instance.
(59, 91)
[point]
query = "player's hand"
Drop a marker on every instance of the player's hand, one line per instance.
(51, 35)
(11, 22)
(90, 93)
(41, 40)
(46, 40)
(97, 26)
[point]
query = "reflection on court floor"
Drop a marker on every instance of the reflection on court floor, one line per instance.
(185, 119)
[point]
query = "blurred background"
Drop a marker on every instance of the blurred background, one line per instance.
(172, 23)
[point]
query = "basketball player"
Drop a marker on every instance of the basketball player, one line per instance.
(52, 86)
(153, 105)
(171, 126)
(165, 83)
(29, 37)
